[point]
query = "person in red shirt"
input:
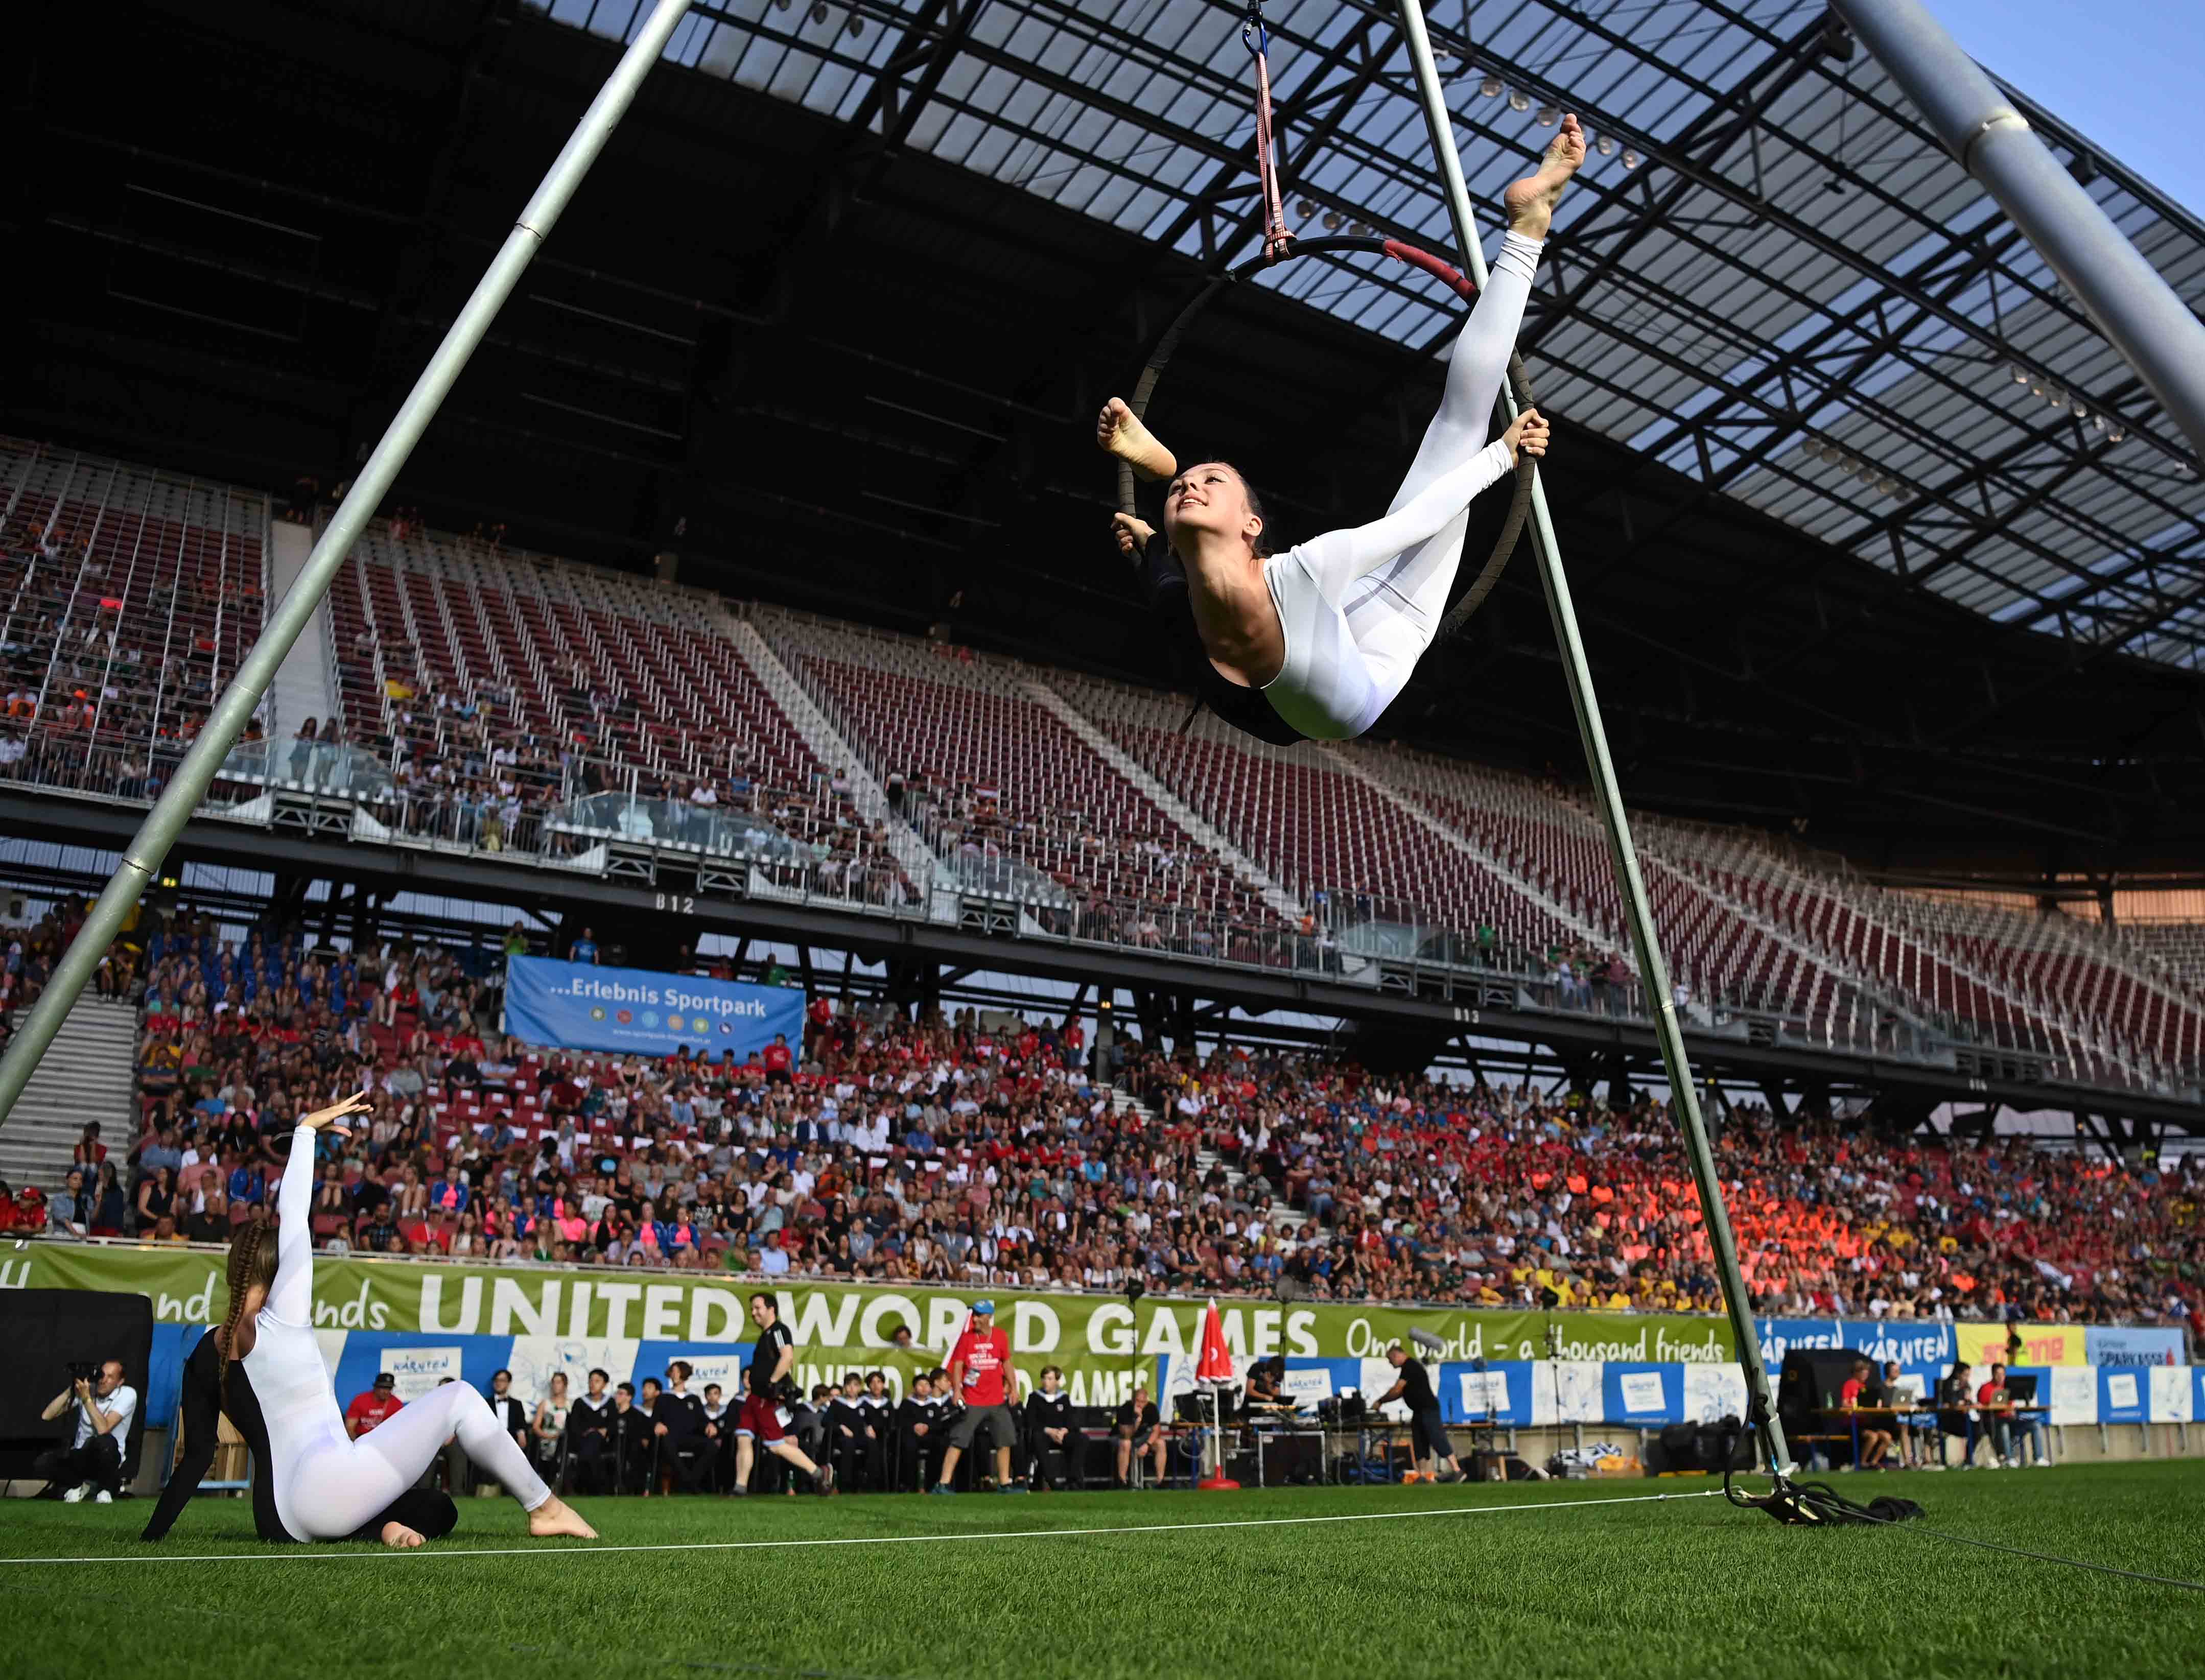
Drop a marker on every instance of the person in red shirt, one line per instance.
(378, 1405)
(779, 1059)
(982, 1377)
(1861, 1389)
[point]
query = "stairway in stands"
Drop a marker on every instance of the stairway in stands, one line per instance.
(1104, 748)
(87, 1074)
(829, 747)
(1360, 764)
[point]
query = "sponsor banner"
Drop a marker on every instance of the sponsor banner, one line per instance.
(416, 1371)
(1909, 1341)
(1647, 1395)
(1500, 1393)
(2171, 1393)
(1713, 1392)
(639, 1011)
(1983, 1344)
(449, 1301)
(1575, 1392)
(2073, 1394)
(2124, 1396)
(2135, 1344)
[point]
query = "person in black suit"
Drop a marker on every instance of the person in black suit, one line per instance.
(589, 1436)
(918, 1436)
(849, 1425)
(720, 1420)
(678, 1424)
(1052, 1446)
(626, 1428)
(649, 1454)
(881, 1428)
(511, 1417)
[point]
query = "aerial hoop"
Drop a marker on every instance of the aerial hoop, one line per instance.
(1280, 245)
(1285, 247)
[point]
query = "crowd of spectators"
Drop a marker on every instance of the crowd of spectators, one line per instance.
(966, 1151)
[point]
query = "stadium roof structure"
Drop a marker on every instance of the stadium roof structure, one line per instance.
(1773, 279)
(830, 321)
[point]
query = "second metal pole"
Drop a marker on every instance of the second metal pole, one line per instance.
(1683, 1097)
(141, 860)
(2134, 306)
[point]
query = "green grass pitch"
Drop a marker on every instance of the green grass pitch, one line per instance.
(1443, 1580)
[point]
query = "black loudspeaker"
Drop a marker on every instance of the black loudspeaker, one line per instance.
(1810, 1382)
(47, 1330)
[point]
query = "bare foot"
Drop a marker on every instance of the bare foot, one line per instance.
(1531, 202)
(400, 1538)
(556, 1517)
(1119, 431)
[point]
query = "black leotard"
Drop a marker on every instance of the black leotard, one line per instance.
(425, 1510)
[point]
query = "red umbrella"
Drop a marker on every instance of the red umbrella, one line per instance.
(1213, 1367)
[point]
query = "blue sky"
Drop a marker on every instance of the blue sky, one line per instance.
(2127, 75)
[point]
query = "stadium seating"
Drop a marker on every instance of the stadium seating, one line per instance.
(501, 687)
(129, 596)
(994, 774)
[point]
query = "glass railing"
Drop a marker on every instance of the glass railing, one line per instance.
(952, 873)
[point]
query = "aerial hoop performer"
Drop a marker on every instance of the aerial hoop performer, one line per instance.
(264, 1367)
(1315, 643)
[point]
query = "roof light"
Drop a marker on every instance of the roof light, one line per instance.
(1490, 87)
(1518, 100)
(1305, 210)
(1604, 145)
(2021, 375)
(1331, 220)
(2079, 408)
(1548, 116)
(1359, 229)
(2116, 435)
(1631, 160)
(819, 11)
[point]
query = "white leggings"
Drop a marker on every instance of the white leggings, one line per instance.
(1358, 608)
(336, 1485)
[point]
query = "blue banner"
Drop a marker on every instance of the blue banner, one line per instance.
(581, 1006)
(1909, 1341)
(2133, 1344)
(2123, 1395)
(1646, 1395)
(1496, 1390)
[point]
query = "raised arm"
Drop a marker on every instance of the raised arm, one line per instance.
(1346, 556)
(291, 1297)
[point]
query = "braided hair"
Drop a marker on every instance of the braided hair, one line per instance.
(252, 1262)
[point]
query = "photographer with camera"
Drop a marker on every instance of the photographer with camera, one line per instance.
(92, 1462)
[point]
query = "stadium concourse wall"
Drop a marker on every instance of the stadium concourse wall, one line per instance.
(2113, 1392)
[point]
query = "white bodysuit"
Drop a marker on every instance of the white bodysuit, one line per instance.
(326, 1484)
(1358, 608)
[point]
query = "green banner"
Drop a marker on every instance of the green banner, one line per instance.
(185, 1286)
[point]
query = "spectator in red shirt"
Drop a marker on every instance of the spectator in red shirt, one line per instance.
(780, 1060)
(981, 1377)
(1860, 1389)
(378, 1405)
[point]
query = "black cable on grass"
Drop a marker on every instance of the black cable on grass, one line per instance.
(2054, 1558)
(1817, 1505)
